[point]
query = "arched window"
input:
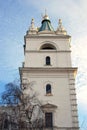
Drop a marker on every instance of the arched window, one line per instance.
(48, 46)
(47, 60)
(48, 89)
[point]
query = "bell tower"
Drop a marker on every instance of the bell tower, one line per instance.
(48, 62)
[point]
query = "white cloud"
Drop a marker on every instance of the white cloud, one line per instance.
(82, 97)
(72, 12)
(79, 48)
(79, 56)
(66, 7)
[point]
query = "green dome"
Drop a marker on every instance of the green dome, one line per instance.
(46, 24)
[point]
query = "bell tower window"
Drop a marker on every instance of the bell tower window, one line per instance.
(48, 60)
(48, 89)
(48, 46)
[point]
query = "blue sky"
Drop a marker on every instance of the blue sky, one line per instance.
(15, 19)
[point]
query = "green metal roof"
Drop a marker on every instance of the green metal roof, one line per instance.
(46, 24)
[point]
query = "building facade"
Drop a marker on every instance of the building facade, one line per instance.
(48, 63)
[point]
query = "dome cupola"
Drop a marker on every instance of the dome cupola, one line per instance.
(46, 24)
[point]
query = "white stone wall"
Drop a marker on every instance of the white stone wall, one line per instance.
(35, 57)
(62, 82)
(60, 94)
(36, 42)
(38, 59)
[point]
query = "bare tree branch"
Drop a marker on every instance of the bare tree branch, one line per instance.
(23, 106)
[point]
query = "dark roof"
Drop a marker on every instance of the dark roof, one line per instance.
(46, 24)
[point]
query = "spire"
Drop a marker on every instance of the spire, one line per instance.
(32, 29)
(46, 24)
(45, 11)
(60, 29)
(46, 16)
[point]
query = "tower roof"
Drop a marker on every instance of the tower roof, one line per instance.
(46, 24)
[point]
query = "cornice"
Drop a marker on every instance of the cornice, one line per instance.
(54, 70)
(48, 51)
(47, 36)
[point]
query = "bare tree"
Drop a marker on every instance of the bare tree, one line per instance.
(24, 109)
(12, 94)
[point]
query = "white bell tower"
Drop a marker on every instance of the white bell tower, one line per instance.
(48, 63)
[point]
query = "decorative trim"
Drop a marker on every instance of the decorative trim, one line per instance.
(49, 94)
(40, 69)
(47, 36)
(44, 51)
(48, 105)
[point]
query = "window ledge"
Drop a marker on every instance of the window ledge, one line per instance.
(47, 65)
(49, 94)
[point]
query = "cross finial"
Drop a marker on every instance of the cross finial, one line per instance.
(45, 12)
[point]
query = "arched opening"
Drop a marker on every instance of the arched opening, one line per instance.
(48, 60)
(48, 89)
(48, 46)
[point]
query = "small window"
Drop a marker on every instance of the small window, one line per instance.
(48, 89)
(47, 60)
